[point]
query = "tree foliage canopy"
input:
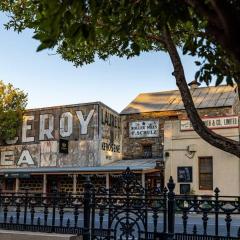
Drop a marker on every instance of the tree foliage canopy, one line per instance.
(12, 105)
(82, 30)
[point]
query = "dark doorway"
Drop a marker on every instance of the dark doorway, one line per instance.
(10, 184)
(147, 151)
(52, 183)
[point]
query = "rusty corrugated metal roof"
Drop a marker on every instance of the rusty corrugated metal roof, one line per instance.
(203, 97)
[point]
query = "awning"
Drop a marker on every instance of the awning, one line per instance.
(136, 165)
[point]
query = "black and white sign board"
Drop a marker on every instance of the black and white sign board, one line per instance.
(144, 129)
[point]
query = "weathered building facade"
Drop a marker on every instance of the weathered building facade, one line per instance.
(58, 146)
(153, 127)
(60, 140)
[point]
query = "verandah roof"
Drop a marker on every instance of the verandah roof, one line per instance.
(139, 165)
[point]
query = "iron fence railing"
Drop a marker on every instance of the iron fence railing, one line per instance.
(125, 211)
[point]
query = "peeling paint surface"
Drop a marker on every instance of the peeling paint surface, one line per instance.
(37, 144)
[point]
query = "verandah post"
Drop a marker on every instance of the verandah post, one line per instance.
(87, 210)
(171, 207)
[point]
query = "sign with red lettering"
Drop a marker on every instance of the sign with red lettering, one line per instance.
(213, 123)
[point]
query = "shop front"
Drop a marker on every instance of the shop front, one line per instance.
(56, 144)
(71, 180)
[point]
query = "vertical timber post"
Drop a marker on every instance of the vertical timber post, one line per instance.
(87, 210)
(44, 184)
(171, 207)
(143, 180)
(74, 184)
(17, 185)
(107, 181)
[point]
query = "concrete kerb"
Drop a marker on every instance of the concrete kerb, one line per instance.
(17, 235)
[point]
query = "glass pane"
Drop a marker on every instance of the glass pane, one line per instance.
(205, 165)
(205, 181)
(147, 151)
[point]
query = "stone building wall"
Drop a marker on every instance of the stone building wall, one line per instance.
(132, 148)
(35, 184)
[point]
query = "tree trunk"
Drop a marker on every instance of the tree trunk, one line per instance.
(205, 133)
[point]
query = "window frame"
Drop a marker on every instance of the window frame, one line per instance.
(201, 186)
(147, 146)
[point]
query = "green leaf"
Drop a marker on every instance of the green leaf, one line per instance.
(41, 47)
(229, 81)
(197, 74)
(219, 80)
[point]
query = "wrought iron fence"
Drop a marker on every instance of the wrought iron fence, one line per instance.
(26, 211)
(125, 211)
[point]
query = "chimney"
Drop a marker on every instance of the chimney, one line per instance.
(194, 84)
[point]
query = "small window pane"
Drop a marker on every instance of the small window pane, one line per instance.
(205, 173)
(205, 165)
(147, 151)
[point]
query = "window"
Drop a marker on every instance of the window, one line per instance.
(147, 151)
(205, 173)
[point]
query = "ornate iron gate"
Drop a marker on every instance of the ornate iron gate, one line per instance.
(123, 211)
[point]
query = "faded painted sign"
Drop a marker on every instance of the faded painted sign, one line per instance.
(144, 129)
(212, 122)
(110, 135)
(37, 144)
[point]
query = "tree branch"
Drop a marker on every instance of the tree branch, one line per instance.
(205, 133)
(156, 38)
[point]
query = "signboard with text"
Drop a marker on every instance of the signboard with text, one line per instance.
(143, 129)
(213, 123)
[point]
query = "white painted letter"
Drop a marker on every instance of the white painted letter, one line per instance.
(26, 127)
(66, 119)
(84, 123)
(25, 158)
(43, 131)
(7, 158)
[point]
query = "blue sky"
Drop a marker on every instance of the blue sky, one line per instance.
(51, 81)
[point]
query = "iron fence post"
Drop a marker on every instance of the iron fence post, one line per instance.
(216, 210)
(54, 203)
(1, 200)
(165, 210)
(25, 207)
(87, 210)
(171, 208)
